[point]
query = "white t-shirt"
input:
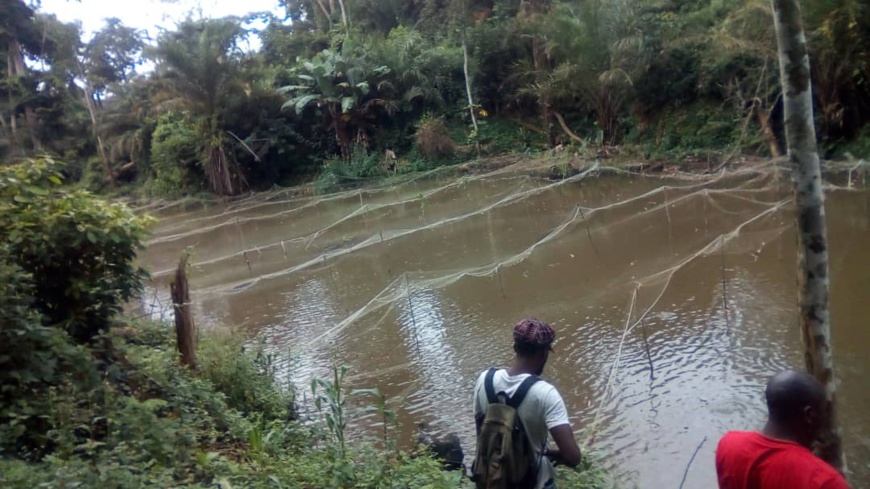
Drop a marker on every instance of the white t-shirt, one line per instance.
(542, 410)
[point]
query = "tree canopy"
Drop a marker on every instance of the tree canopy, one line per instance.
(349, 80)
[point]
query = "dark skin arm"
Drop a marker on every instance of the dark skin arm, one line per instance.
(568, 452)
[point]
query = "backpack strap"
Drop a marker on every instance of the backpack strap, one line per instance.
(521, 392)
(489, 387)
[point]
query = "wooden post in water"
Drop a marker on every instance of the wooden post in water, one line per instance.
(794, 70)
(185, 331)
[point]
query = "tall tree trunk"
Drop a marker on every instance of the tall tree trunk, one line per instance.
(794, 68)
(92, 111)
(469, 93)
(16, 58)
(13, 121)
(468, 85)
(326, 13)
(343, 15)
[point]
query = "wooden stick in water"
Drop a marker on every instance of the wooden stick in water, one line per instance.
(686, 472)
(500, 285)
(411, 308)
(646, 347)
(588, 232)
(247, 262)
(724, 283)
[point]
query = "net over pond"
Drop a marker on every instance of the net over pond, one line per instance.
(674, 298)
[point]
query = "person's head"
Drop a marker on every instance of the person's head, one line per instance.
(533, 341)
(796, 404)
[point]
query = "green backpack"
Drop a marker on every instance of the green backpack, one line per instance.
(505, 458)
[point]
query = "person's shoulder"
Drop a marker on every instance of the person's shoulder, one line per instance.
(734, 436)
(544, 389)
(480, 378)
(834, 480)
(825, 476)
(544, 385)
(736, 441)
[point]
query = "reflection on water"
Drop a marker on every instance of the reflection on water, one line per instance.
(673, 298)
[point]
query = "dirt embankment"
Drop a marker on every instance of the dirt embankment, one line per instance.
(556, 164)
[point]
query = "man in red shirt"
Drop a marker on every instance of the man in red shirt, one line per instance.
(779, 457)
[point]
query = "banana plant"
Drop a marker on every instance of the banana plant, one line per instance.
(339, 87)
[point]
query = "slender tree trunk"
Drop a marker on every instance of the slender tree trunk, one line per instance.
(343, 15)
(468, 84)
(326, 12)
(17, 63)
(470, 97)
(13, 122)
(92, 111)
(185, 331)
(809, 202)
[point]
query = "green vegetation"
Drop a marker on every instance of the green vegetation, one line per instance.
(372, 88)
(92, 399)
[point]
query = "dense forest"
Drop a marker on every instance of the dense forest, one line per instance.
(341, 87)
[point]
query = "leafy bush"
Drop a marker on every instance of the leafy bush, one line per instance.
(433, 138)
(360, 166)
(697, 128)
(174, 150)
(93, 177)
(247, 379)
(858, 148)
(498, 136)
(79, 250)
(32, 356)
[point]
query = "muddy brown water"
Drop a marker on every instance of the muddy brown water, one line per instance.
(415, 287)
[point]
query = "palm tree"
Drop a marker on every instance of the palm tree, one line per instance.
(582, 55)
(200, 67)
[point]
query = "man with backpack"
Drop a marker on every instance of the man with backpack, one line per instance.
(515, 411)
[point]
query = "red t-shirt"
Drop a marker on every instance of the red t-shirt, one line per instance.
(750, 460)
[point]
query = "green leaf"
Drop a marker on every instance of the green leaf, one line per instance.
(23, 199)
(36, 190)
(347, 103)
(302, 102)
(91, 237)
